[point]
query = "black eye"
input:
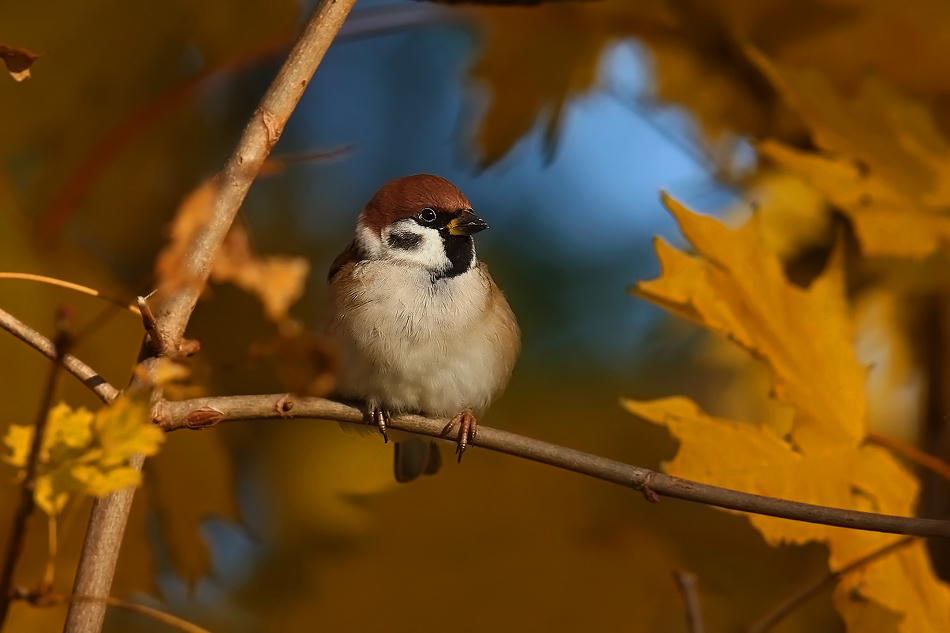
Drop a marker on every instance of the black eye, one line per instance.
(427, 215)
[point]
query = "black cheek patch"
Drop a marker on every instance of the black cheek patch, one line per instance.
(404, 241)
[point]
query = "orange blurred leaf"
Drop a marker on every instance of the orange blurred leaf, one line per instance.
(277, 280)
(534, 61)
(893, 137)
(887, 222)
(193, 213)
(18, 61)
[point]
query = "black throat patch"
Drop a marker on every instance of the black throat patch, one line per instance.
(460, 250)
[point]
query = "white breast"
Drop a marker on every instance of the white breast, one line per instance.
(411, 345)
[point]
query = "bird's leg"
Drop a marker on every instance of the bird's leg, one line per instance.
(381, 418)
(468, 430)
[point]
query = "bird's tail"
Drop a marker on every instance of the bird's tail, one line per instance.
(416, 456)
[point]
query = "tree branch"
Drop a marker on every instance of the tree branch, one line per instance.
(205, 412)
(260, 136)
(109, 514)
(106, 392)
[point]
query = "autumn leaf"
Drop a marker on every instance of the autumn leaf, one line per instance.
(535, 60)
(85, 453)
(278, 281)
(736, 288)
(893, 137)
(887, 223)
(18, 61)
(743, 295)
(884, 161)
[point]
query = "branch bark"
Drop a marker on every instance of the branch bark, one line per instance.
(109, 514)
(260, 136)
(106, 392)
(206, 412)
(202, 413)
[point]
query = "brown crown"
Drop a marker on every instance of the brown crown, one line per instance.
(405, 197)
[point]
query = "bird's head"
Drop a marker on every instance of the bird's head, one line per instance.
(421, 220)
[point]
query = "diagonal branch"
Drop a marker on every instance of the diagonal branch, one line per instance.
(205, 412)
(260, 136)
(106, 392)
(109, 514)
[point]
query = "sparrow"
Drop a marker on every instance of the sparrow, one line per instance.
(418, 321)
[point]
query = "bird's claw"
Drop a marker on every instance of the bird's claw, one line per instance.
(381, 418)
(468, 431)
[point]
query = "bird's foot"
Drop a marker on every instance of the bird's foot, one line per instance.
(468, 430)
(381, 418)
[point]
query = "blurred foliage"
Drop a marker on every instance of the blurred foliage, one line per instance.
(83, 453)
(284, 525)
(805, 337)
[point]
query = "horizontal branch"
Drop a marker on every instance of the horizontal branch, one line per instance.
(206, 412)
(106, 392)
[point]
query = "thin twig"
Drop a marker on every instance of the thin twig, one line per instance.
(109, 514)
(21, 520)
(277, 164)
(52, 281)
(914, 454)
(807, 593)
(205, 412)
(151, 612)
(106, 392)
(43, 599)
(686, 583)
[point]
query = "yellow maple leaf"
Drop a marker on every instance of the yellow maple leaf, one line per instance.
(124, 429)
(895, 137)
(86, 453)
(741, 293)
(887, 222)
(737, 289)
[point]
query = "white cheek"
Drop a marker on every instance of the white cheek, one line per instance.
(429, 253)
(368, 242)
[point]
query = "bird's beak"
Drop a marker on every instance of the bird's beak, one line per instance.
(466, 223)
